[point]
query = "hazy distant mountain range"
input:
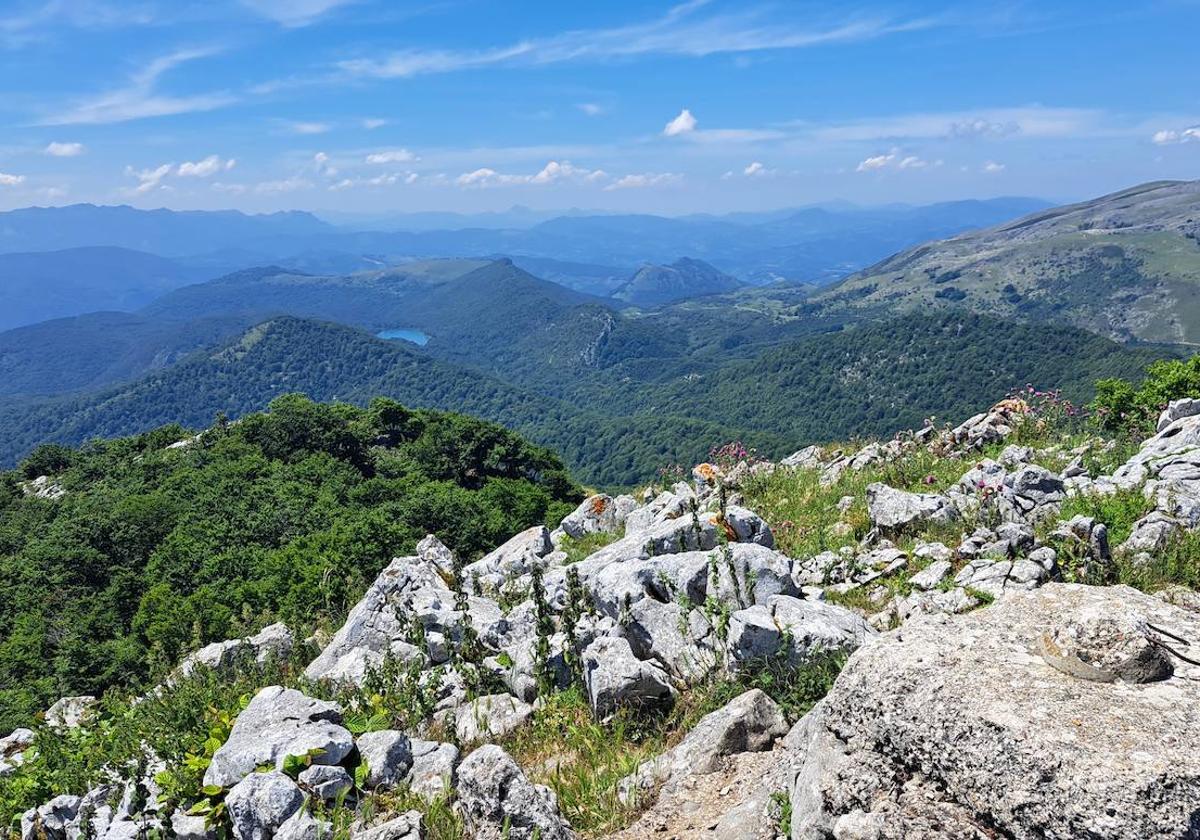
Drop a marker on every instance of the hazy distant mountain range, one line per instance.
(589, 253)
(611, 361)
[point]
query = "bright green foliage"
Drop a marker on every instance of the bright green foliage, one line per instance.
(286, 515)
(1122, 406)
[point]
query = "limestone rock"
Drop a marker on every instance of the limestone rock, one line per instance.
(891, 509)
(491, 716)
(388, 754)
(260, 803)
(804, 629)
(433, 768)
(498, 802)
(279, 722)
(614, 678)
(1038, 753)
(749, 723)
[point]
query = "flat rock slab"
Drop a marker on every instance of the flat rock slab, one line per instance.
(959, 722)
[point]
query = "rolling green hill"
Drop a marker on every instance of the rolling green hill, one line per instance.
(1125, 265)
(871, 379)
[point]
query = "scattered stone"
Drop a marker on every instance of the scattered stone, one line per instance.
(433, 768)
(931, 575)
(325, 782)
(272, 641)
(749, 723)
(260, 803)
(491, 716)
(70, 712)
(498, 802)
(892, 510)
(279, 722)
(793, 630)
(388, 754)
(614, 678)
(407, 826)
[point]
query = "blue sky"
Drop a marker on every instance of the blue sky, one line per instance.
(361, 106)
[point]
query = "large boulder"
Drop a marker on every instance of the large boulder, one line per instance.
(279, 722)
(260, 803)
(511, 560)
(388, 754)
(274, 640)
(490, 716)
(749, 723)
(498, 802)
(598, 514)
(892, 510)
(614, 678)
(380, 623)
(793, 631)
(1048, 741)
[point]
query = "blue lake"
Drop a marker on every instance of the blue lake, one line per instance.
(405, 334)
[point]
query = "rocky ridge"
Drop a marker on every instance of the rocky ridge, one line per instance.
(1071, 708)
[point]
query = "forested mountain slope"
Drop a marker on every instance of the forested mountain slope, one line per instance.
(1126, 265)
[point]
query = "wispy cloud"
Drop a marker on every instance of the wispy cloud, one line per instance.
(148, 179)
(1171, 136)
(992, 168)
(64, 149)
(18, 28)
(894, 159)
(551, 173)
(372, 123)
(308, 128)
(1029, 122)
(294, 13)
(644, 180)
(139, 99)
(9, 180)
(592, 109)
(684, 30)
(391, 156)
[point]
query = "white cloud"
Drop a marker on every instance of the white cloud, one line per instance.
(140, 99)
(372, 123)
(643, 180)
(552, 172)
(875, 162)
(991, 167)
(211, 165)
(8, 180)
(682, 30)
(64, 149)
(682, 124)
(1170, 136)
(894, 160)
(386, 180)
(294, 13)
(391, 156)
(308, 128)
(148, 179)
(592, 109)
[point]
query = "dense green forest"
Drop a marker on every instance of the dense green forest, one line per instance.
(285, 515)
(614, 429)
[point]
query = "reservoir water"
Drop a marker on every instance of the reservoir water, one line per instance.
(404, 334)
